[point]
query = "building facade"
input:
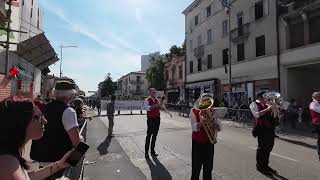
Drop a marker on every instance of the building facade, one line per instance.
(299, 27)
(175, 78)
(32, 53)
(147, 60)
(251, 37)
(133, 85)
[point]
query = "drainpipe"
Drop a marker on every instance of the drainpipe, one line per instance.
(278, 45)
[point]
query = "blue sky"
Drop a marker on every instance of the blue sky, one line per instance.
(111, 35)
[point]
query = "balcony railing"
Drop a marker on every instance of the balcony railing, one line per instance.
(240, 33)
(290, 6)
(136, 82)
(136, 91)
(199, 51)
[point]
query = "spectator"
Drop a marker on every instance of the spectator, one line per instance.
(21, 121)
(77, 105)
(110, 115)
(98, 102)
(62, 131)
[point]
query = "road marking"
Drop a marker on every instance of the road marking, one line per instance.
(284, 157)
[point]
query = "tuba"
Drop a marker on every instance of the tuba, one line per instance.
(204, 104)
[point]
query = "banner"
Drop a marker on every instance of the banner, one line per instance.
(124, 105)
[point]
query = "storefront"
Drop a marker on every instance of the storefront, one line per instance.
(193, 90)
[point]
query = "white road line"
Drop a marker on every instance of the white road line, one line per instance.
(284, 157)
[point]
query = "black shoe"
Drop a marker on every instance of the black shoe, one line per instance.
(271, 170)
(146, 156)
(154, 154)
(264, 171)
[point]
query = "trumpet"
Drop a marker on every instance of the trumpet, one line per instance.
(276, 101)
(205, 104)
(163, 99)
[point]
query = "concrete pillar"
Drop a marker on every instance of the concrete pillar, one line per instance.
(306, 27)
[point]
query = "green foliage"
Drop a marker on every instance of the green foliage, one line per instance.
(155, 75)
(107, 87)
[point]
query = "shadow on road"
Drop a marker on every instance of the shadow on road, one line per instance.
(103, 147)
(276, 177)
(298, 143)
(158, 171)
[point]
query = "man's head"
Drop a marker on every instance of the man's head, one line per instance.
(260, 97)
(64, 91)
(152, 92)
(113, 98)
(316, 96)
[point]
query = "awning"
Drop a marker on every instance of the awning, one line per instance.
(37, 51)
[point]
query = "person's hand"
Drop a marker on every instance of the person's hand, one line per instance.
(62, 162)
(270, 106)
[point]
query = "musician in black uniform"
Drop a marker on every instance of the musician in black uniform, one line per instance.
(264, 131)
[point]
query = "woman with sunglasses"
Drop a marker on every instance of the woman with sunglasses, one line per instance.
(22, 120)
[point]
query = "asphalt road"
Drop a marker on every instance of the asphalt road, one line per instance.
(293, 156)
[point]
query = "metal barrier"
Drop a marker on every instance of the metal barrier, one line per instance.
(240, 116)
(77, 171)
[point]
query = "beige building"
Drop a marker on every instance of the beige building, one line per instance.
(175, 77)
(299, 24)
(133, 85)
(253, 48)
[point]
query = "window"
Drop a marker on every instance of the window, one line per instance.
(240, 52)
(199, 40)
(138, 78)
(260, 46)
(240, 23)
(209, 36)
(180, 72)
(138, 88)
(225, 28)
(191, 66)
(167, 75)
(225, 56)
(199, 65)
(31, 12)
(173, 71)
(209, 61)
(209, 11)
(258, 9)
(31, 2)
(196, 20)
(22, 2)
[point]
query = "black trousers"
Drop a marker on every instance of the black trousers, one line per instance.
(152, 132)
(265, 146)
(202, 155)
(317, 128)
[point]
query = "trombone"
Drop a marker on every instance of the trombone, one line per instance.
(163, 98)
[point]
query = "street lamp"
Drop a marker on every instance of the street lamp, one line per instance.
(61, 48)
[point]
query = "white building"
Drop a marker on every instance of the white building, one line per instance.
(33, 52)
(147, 60)
(133, 85)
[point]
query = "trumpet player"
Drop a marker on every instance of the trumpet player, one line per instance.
(315, 115)
(153, 106)
(202, 147)
(265, 131)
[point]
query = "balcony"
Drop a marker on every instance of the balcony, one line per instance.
(136, 91)
(240, 33)
(136, 82)
(199, 51)
(292, 6)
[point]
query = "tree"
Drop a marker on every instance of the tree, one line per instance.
(155, 75)
(107, 87)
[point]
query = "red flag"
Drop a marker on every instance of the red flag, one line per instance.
(14, 3)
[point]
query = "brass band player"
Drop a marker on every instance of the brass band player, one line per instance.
(265, 131)
(202, 143)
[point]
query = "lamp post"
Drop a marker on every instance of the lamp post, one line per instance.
(61, 49)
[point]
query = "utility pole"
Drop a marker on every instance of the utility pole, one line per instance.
(8, 30)
(61, 49)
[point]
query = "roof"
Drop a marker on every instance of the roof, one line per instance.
(193, 5)
(37, 51)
